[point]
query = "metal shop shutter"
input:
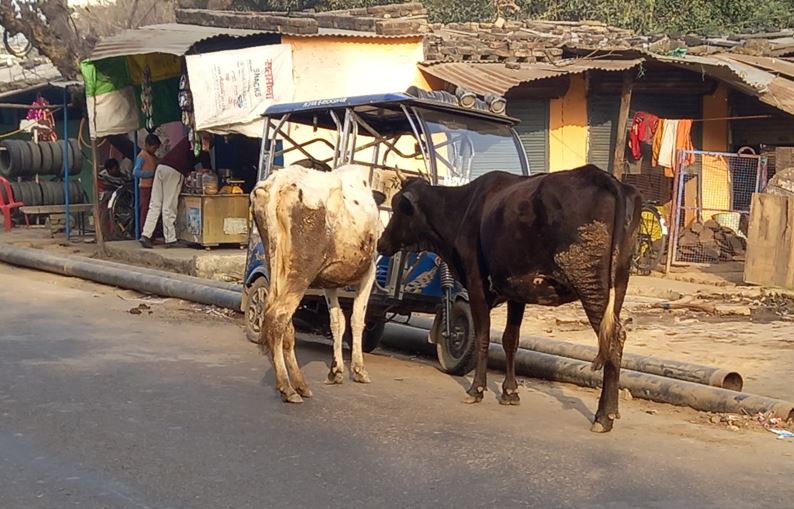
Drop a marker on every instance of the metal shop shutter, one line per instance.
(603, 115)
(533, 130)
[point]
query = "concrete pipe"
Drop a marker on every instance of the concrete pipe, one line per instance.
(642, 385)
(223, 285)
(696, 373)
(168, 287)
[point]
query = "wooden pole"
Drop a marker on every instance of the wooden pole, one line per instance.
(623, 120)
(100, 239)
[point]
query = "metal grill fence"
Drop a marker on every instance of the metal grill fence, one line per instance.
(711, 205)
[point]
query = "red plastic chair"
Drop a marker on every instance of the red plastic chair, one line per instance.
(8, 204)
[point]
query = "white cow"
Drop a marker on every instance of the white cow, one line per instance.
(320, 230)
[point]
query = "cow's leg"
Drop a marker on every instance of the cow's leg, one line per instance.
(279, 309)
(278, 316)
(357, 371)
(337, 319)
(608, 403)
(295, 373)
(515, 314)
(598, 301)
(481, 315)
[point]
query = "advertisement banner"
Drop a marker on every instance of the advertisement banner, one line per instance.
(231, 89)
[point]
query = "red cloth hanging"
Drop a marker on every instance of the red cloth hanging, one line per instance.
(643, 128)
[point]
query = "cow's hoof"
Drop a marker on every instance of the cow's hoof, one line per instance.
(510, 399)
(304, 391)
(335, 378)
(291, 397)
(603, 425)
(469, 399)
(360, 375)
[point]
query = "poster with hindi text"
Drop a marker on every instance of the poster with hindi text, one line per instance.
(231, 89)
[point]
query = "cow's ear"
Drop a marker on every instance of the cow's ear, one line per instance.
(406, 203)
(379, 197)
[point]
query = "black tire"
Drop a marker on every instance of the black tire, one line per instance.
(35, 192)
(79, 194)
(46, 192)
(11, 159)
(253, 308)
(35, 157)
(649, 248)
(46, 159)
(16, 190)
(76, 156)
(370, 339)
(26, 168)
(57, 157)
(456, 354)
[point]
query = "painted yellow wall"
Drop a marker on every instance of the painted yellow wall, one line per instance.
(715, 134)
(328, 67)
(717, 183)
(568, 127)
(332, 67)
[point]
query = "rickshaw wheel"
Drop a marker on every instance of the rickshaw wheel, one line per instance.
(456, 354)
(254, 308)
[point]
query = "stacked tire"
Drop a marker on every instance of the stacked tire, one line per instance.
(20, 158)
(35, 194)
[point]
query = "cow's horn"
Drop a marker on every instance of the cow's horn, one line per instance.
(400, 174)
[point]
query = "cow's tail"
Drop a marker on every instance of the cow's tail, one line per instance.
(607, 330)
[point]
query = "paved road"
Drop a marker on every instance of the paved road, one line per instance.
(102, 408)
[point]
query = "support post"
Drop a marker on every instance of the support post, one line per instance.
(100, 239)
(66, 163)
(623, 119)
(136, 189)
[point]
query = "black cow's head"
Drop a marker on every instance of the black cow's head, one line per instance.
(408, 228)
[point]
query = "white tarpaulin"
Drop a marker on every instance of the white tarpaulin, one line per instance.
(231, 89)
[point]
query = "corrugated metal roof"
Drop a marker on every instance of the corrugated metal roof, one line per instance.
(780, 95)
(170, 38)
(723, 67)
(356, 34)
(177, 39)
(774, 65)
(494, 78)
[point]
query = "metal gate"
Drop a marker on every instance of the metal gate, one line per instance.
(711, 207)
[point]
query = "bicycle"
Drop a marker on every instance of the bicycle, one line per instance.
(651, 238)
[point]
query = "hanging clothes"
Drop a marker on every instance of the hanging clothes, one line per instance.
(643, 129)
(683, 141)
(667, 145)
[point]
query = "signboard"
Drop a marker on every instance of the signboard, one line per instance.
(231, 89)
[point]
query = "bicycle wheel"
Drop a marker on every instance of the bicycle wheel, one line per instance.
(651, 240)
(123, 213)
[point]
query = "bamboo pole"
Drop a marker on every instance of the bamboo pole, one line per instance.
(100, 239)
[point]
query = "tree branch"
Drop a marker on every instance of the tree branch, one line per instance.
(47, 25)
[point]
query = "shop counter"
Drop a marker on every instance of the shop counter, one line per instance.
(213, 219)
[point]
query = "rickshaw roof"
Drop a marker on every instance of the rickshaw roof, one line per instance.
(382, 111)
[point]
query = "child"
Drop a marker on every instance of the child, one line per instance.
(145, 164)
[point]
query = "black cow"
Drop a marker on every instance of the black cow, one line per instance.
(546, 239)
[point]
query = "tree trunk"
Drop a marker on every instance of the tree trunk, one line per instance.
(47, 24)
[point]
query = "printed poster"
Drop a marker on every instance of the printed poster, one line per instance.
(231, 89)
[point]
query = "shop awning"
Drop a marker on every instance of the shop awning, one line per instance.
(170, 38)
(494, 78)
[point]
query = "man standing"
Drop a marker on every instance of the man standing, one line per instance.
(167, 185)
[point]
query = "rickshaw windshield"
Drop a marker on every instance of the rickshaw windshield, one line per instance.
(463, 148)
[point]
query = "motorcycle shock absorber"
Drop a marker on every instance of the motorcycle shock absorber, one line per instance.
(447, 282)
